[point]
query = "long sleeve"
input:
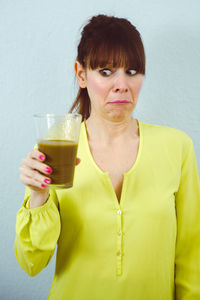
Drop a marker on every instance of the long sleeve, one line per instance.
(37, 233)
(187, 260)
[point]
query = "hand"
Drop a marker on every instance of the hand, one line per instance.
(34, 173)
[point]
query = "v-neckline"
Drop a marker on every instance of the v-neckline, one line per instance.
(106, 174)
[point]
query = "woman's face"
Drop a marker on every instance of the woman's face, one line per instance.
(113, 92)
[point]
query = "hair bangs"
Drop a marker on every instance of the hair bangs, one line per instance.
(106, 42)
(118, 53)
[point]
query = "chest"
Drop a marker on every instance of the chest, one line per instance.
(116, 161)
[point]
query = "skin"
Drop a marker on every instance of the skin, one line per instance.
(113, 133)
(105, 86)
(110, 126)
(33, 173)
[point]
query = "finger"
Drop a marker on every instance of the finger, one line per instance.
(78, 161)
(36, 154)
(35, 175)
(36, 165)
(33, 183)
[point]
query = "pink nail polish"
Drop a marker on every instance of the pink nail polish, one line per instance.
(47, 181)
(43, 185)
(41, 157)
(48, 170)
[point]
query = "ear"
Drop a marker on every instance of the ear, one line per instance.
(80, 74)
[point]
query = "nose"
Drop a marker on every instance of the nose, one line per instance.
(120, 83)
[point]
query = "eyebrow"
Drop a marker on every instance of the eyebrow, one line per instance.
(109, 65)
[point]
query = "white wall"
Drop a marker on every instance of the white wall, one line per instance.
(38, 42)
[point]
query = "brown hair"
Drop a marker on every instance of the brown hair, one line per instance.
(107, 39)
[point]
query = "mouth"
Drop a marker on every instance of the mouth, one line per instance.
(119, 102)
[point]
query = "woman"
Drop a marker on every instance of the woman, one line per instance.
(130, 226)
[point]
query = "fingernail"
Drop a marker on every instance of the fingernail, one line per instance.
(43, 185)
(48, 170)
(47, 181)
(41, 157)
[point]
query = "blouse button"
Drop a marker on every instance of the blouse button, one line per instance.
(119, 253)
(119, 233)
(119, 212)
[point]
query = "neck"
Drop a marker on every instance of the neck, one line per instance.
(105, 131)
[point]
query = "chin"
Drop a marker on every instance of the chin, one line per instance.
(119, 115)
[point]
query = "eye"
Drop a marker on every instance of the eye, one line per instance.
(105, 72)
(131, 72)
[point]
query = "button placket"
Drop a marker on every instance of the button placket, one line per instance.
(119, 235)
(119, 212)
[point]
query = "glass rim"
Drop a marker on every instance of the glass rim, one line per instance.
(53, 115)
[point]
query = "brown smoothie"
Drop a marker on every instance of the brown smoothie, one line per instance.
(61, 157)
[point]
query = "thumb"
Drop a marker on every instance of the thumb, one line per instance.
(78, 161)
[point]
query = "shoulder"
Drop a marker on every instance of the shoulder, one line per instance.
(166, 133)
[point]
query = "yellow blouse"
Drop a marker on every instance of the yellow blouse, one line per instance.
(147, 247)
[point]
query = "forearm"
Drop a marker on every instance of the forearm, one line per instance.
(38, 199)
(37, 233)
(31, 261)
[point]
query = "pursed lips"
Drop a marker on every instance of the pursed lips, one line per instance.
(119, 102)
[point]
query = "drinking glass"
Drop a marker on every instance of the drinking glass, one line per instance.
(57, 137)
